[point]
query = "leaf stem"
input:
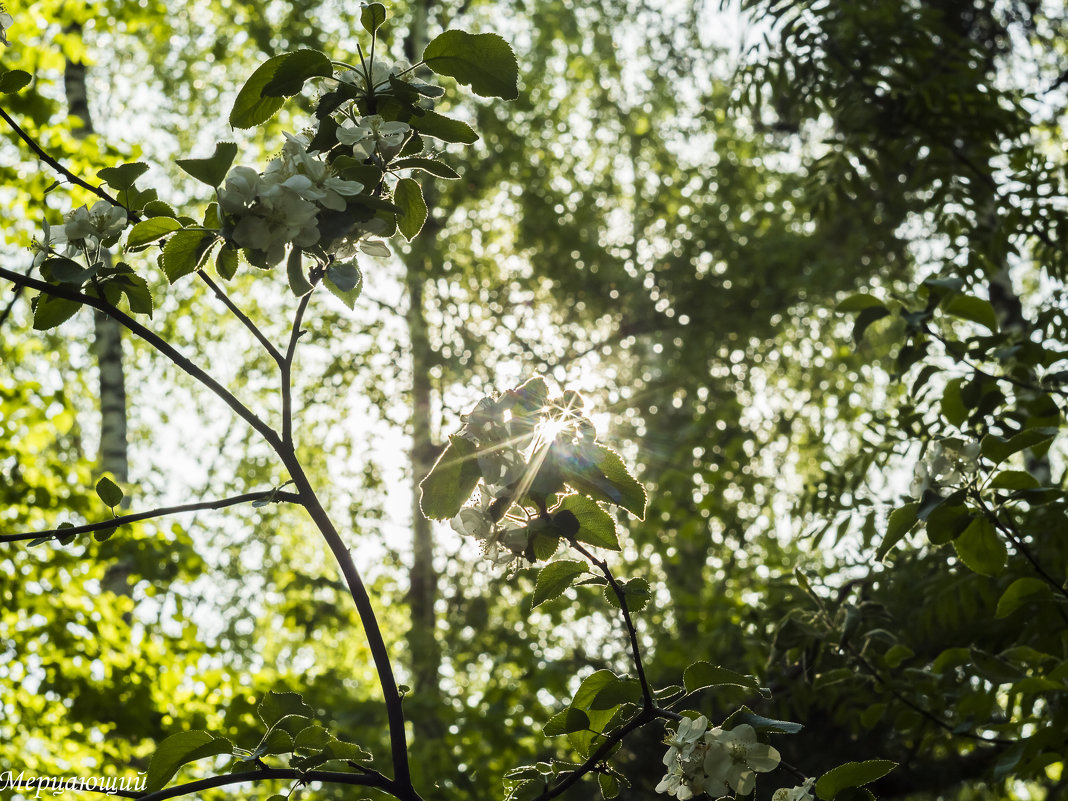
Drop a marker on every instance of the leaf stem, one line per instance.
(286, 365)
(157, 342)
(240, 315)
(647, 694)
(272, 496)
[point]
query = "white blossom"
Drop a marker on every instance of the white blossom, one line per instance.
(6, 20)
(947, 463)
(803, 792)
(684, 740)
(715, 762)
(107, 220)
(373, 133)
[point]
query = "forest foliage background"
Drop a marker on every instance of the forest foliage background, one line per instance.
(812, 287)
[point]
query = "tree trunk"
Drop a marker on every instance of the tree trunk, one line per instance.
(423, 580)
(107, 343)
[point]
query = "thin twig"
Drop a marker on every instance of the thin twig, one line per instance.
(632, 633)
(1017, 540)
(15, 293)
(153, 339)
(240, 315)
(55, 165)
(949, 344)
(286, 365)
(368, 778)
(272, 496)
(645, 716)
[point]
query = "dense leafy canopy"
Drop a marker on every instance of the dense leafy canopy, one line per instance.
(819, 295)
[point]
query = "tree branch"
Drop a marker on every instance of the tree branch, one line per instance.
(379, 653)
(645, 716)
(240, 315)
(153, 339)
(286, 365)
(55, 165)
(365, 779)
(271, 496)
(602, 565)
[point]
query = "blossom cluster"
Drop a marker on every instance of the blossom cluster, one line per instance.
(82, 231)
(499, 438)
(946, 464)
(285, 204)
(280, 206)
(714, 761)
(6, 21)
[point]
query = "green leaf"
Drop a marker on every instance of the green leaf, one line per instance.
(345, 282)
(298, 284)
(409, 197)
(980, 548)
(226, 262)
(148, 231)
(704, 674)
(554, 578)
(444, 128)
(251, 107)
(565, 722)
(901, 522)
(211, 171)
(123, 176)
(997, 449)
(431, 166)
(483, 61)
(372, 17)
(109, 492)
(185, 252)
(610, 481)
(954, 409)
(762, 724)
(276, 706)
(50, 311)
(993, 668)
(293, 70)
(969, 307)
(898, 654)
(621, 691)
(157, 208)
(852, 774)
(595, 525)
(1020, 592)
(448, 486)
(865, 319)
(608, 785)
(68, 271)
(635, 590)
(14, 80)
(859, 302)
(333, 750)
(181, 749)
(1014, 480)
(104, 534)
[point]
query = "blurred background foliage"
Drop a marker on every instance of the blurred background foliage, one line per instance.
(665, 220)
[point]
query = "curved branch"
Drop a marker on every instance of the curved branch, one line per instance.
(240, 315)
(647, 693)
(365, 779)
(155, 341)
(376, 644)
(645, 716)
(270, 496)
(55, 165)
